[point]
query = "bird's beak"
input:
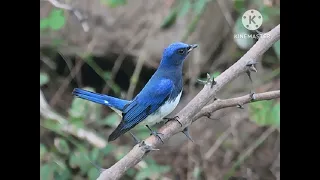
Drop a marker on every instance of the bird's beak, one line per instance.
(191, 47)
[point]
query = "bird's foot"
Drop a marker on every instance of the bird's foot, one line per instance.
(135, 139)
(173, 119)
(186, 132)
(155, 133)
(210, 80)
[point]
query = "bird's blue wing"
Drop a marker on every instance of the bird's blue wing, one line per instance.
(146, 103)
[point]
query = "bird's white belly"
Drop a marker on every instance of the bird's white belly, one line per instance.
(163, 111)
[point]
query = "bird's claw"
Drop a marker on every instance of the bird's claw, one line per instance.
(186, 132)
(173, 119)
(155, 134)
(209, 80)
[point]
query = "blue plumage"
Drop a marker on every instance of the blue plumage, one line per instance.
(156, 100)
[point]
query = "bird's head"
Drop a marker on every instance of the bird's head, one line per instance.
(176, 53)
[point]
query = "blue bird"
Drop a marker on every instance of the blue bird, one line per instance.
(159, 97)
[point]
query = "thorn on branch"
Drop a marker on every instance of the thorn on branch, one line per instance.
(209, 80)
(251, 64)
(207, 114)
(146, 147)
(240, 106)
(176, 118)
(186, 132)
(252, 96)
(249, 75)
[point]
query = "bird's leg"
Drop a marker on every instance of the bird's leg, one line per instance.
(155, 133)
(173, 119)
(135, 139)
(186, 132)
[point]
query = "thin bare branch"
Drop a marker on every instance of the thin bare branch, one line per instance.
(74, 11)
(47, 112)
(233, 102)
(193, 107)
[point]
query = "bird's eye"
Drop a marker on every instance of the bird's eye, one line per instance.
(181, 51)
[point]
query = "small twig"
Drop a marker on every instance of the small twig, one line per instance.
(226, 13)
(141, 59)
(74, 11)
(234, 102)
(66, 82)
(47, 112)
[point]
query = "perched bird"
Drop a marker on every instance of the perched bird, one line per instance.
(159, 97)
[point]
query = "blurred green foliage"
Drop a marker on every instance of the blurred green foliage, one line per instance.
(54, 21)
(265, 113)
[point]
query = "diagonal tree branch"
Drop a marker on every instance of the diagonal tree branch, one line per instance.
(193, 107)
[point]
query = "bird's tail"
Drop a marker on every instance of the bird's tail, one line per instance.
(112, 102)
(118, 131)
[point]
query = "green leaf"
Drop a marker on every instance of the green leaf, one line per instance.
(94, 154)
(56, 19)
(265, 113)
(62, 172)
(62, 145)
(74, 161)
(43, 150)
(143, 174)
(113, 3)
(275, 115)
(199, 6)
(80, 159)
(184, 8)
(79, 108)
(111, 120)
(270, 11)
(78, 122)
(44, 23)
(240, 6)
(170, 19)
(216, 74)
(93, 173)
(108, 149)
(64, 175)
(46, 171)
(276, 48)
(131, 172)
(52, 125)
(44, 79)
(239, 30)
(154, 170)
